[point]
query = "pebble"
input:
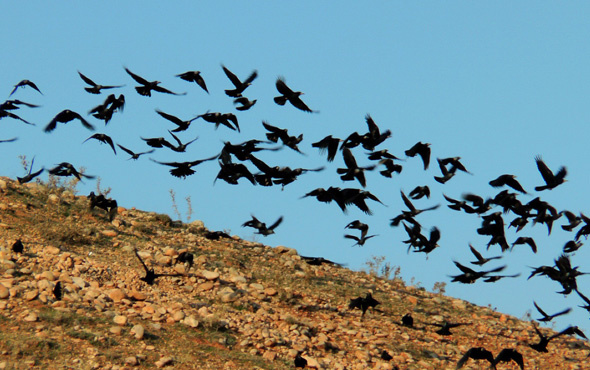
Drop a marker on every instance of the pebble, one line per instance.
(4, 293)
(120, 320)
(210, 275)
(138, 331)
(164, 361)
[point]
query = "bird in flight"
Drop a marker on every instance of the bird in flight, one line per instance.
(507, 180)
(150, 274)
(261, 227)
(551, 180)
(476, 353)
(546, 317)
(291, 96)
(421, 149)
(183, 169)
(30, 175)
(94, 87)
(147, 86)
(363, 303)
(194, 76)
(67, 169)
(239, 85)
(66, 116)
(134, 155)
(24, 83)
(182, 125)
(103, 139)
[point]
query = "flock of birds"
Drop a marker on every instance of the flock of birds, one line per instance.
(241, 160)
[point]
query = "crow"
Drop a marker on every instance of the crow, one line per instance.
(413, 211)
(289, 95)
(469, 276)
(103, 139)
(363, 304)
(275, 134)
(447, 174)
(185, 257)
(386, 356)
(57, 291)
(18, 246)
(194, 76)
(24, 83)
(134, 155)
(225, 119)
(100, 201)
(420, 192)
(239, 85)
(573, 220)
(508, 180)
(245, 103)
(67, 169)
(526, 240)
(546, 317)
(183, 169)
(150, 275)
(541, 346)
(105, 110)
(571, 246)
(408, 320)
(30, 175)
(14, 104)
(446, 326)
(180, 148)
(551, 180)
(480, 259)
(147, 86)
(182, 125)
(510, 354)
(64, 117)
(8, 114)
(359, 241)
(352, 170)
(356, 224)
(477, 353)
(421, 149)
(573, 330)
(94, 87)
(300, 361)
(318, 261)
(329, 144)
(390, 167)
(9, 140)
(261, 227)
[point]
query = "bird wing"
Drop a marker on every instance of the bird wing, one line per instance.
(282, 87)
(137, 78)
(252, 77)
(544, 170)
(540, 310)
(349, 159)
(232, 77)
(464, 269)
(277, 223)
(407, 202)
(476, 253)
(166, 91)
(87, 80)
(170, 118)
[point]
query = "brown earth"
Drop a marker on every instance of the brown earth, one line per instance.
(242, 305)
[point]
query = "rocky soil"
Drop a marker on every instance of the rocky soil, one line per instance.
(242, 305)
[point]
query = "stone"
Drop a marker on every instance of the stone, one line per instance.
(51, 250)
(210, 275)
(32, 317)
(120, 320)
(206, 286)
(138, 296)
(47, 275)
(191, 321)
(29, 296)
(116, 295)
(178, 316)
(4, 293)
(109, 233)
(116, 330)
(131, 361)
(269, 355)
(164, 361)
(138, 331)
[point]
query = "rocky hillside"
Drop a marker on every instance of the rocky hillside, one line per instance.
(241, 305)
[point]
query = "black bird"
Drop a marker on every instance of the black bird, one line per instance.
(261, 227)
(419, 192)
(194, 76)
(455, 163)
(103, 139)
(408, 320)
(447, 174)
(359, 241)
(413, 211)
(363, 304)
(216, 235)
(30, 175)
(494, 278)
(245, 103)
(183, 169)
(24, 83)
(239, 85)
(356, 224)
(344, 197)
(185, 257)
(446, 326)
(14, 104)
(427, 245)
(147, 86)
(182, 125)
(9, 140)
(317, 261)
(469, 276)
(526, 240)
(541, 346)
(102, 202)
(157, 142)
(508, 180)
(300, 361)
(329, 144)
(385, 356)
(510, 354)
(5, 113)
(573, 330)
(231, 172)
(64, 117)
(573, 220)
(289, 95)
(421, 149)
(275, 134)
(480, 259)
(57, 291)
(225, 119)
(150, 274)
(551, 180)
(134, 155)
(106, 110)
(67, 169)
(381, 154)
(94, 87)
(180, 148)
(390, 167)
(571, 246)
(546, 317)
(477, 353)
(374, 137)
(352, 170)
(18, 246)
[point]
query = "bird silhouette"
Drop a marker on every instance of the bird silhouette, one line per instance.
(147, 86)
(184, 169)
(30, 175)
(445, 327)
(134, 155)
(275, 134)
(244, 103)
(194, 76)
(360, 241)
(352, 170)
(510, 354)
(185, 257)
(103, 139)
(507, 180)
(291, 96)
(66, 169)
(182, 125)
(421, 149)
(150, 275)
(318, 261)
(238, 84)
(477, 353)
(66, 116)
(546, 317)
(229, 120)
(261, 227)
(363, 303)
(57, 291)
(480, 259)
(328, 144)
(18, 247)
(25, 83)
(469, 276)
(551, 180)
(94, 87)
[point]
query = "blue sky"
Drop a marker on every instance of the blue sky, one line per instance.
(496, 84)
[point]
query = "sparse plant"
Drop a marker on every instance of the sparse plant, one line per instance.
(105, 191)
(174, 205)
(24, 162)
(439, 287)
(189, 208)
(378, 266)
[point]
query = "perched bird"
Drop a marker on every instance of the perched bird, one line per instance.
(57, 291)
(182, 125)
(194, 76)
(328, 144)
(551, 180)
(546, 317)
(408, 320)
(363, 304)
(64, 117)
(185, 257)
(510, 354)
(299, 361)
(239, 85)
(317, 261)
(385, 356)
(291, 96)
(134, 155)
(18, 247)
(480, 259)
(507, 180)
(102, 202)
(476, 353)
(24, 83)
(147, 86)
(103, 139)
(244, 102)
(94, 87)
(421, 149)
(261, 227)
(183, 169)
(30, 175)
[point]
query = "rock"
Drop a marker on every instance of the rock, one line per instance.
(32, 317)
(178, 316)
(47, 275)
(131, 361)
(269, 355)
(138, 330)
(270, 292)
(51, 250)
(116, 295)
(4, 293)
(109, 233)
(206, 286)
(257, 286)
(120, 320)
(210, 275)
(29, 296)
(191, 321)
(52, 198)
(79, 282)
(138, 296)
(164, 361)
(115, 330)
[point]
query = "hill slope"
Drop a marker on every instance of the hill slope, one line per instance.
(242, 305)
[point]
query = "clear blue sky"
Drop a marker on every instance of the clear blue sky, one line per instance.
(496, 84)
